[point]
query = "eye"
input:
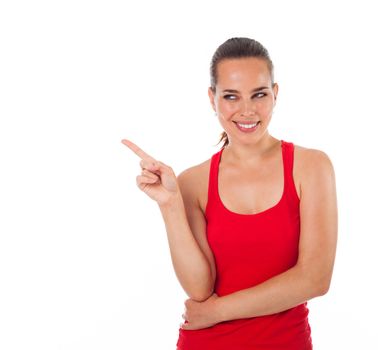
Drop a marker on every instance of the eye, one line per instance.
(229, 97)
(260, 93)
(234, 97)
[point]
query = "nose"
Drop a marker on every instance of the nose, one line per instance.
(248, 108)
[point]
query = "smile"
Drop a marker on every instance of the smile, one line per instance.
(247, 127)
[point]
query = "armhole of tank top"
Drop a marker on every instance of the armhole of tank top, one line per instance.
(289, 165)
(211, 183)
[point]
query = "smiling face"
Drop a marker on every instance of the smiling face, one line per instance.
(244, 98)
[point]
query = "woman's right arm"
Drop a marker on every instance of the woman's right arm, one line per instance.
(191, 256)
(185, 223)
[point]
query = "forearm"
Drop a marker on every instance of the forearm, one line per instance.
(277, 294)
(190, 264)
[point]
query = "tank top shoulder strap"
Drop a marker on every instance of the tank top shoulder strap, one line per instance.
(288, 161)
(213, 181)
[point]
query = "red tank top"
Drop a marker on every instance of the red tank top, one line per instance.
(249, 249)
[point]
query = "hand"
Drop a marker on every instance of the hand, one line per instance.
(201, 314)
(157, 179)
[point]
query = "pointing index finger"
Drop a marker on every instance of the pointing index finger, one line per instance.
(137, 150)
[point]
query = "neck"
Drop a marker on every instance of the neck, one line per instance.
(247, 153)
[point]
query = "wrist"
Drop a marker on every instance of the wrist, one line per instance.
(174, 201)
(221, 313)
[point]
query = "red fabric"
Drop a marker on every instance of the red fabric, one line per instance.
(248, 250)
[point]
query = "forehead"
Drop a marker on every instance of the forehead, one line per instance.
(250, 71)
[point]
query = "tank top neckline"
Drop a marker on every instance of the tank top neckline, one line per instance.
(265, 211)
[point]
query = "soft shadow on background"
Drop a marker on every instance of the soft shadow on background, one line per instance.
(84, 259)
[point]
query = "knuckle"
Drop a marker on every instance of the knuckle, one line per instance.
(165, 166)
(139, 181)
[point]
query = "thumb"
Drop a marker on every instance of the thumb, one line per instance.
(184, 325)
(163, 166)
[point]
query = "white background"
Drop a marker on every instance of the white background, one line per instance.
(84, 259)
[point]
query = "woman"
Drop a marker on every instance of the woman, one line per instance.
(252, 231)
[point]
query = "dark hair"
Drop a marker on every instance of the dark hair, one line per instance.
(237, 48)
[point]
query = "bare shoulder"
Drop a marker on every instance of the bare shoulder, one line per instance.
(310, 158)
(194, 174)
(310, 163)
(193, 182)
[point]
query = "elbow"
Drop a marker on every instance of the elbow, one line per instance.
(323, 288)
(202, 287)
(201, 294)
(320, 287)
(318, 284)
(324, 282)
(200, 297)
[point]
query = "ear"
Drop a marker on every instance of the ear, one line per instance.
(275, 92)
(210, 92)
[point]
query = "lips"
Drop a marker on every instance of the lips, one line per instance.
(247, 126)
(247, 122)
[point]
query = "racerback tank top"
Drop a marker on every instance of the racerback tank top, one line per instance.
(248, 250)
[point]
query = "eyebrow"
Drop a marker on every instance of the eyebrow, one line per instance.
(254, 90)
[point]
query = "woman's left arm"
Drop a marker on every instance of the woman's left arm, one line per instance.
(310, 277)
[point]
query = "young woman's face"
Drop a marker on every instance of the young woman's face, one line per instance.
(244, 98)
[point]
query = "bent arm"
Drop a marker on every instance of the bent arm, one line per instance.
(311, 276)
(191, 256)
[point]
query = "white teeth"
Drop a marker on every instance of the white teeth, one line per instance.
(247, 126)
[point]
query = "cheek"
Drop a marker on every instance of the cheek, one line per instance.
(228, 108)
(265, 108)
